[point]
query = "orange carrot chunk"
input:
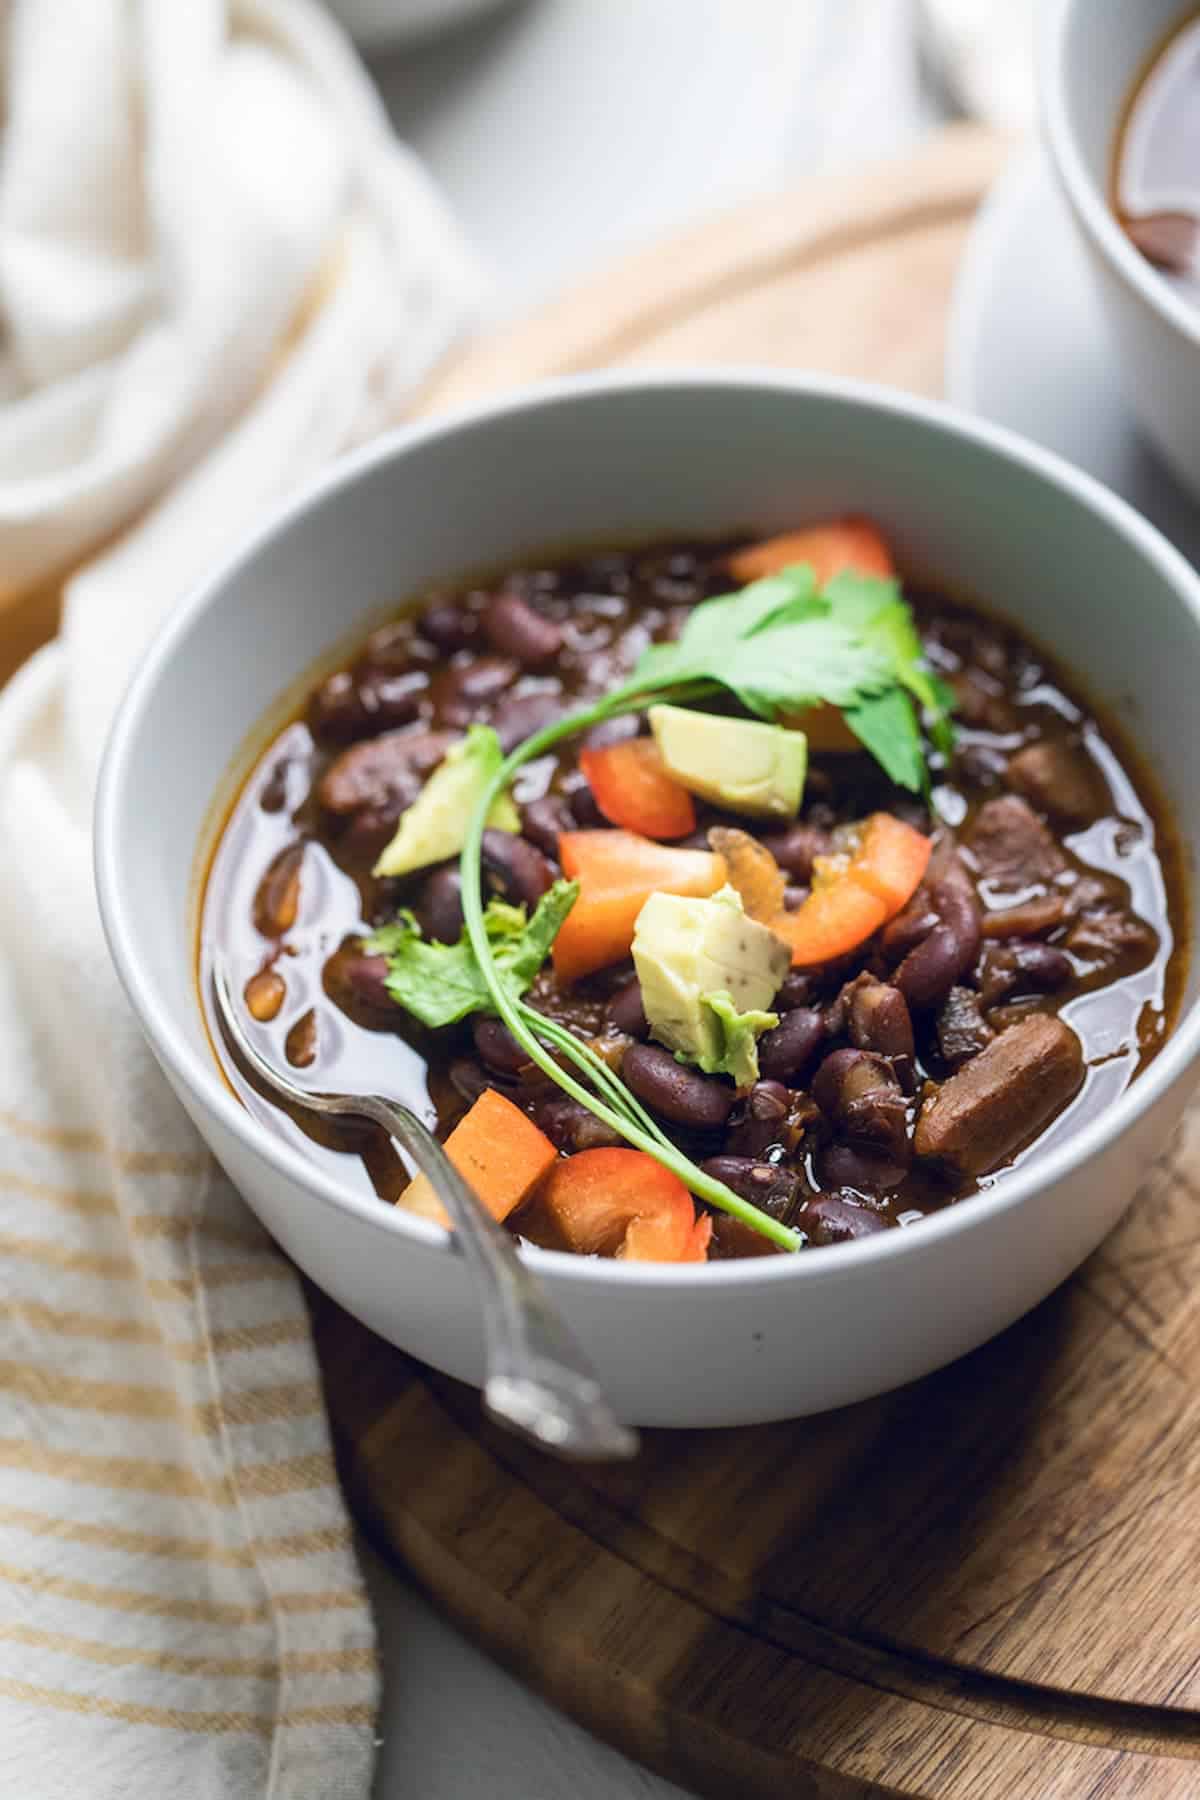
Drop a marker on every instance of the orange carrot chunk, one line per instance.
(837, 544)
(617, 872)
(498, 1149)
(624, 1203)
(633, 789)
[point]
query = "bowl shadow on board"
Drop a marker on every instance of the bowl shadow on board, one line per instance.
(886, 1541)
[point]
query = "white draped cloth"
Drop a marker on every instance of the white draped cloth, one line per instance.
(217, 270)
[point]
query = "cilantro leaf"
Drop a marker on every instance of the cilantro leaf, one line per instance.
(442, 983)
(876, 609)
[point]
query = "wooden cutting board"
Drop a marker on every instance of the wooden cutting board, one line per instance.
(983, 1587)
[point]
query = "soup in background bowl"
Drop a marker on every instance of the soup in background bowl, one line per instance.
(1093, 57)
(964, 510)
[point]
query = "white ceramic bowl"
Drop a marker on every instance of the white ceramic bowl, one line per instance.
(616, 457)
(1091, 54)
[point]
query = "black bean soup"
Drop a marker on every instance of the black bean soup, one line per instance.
(1029, 980)
(1156, 171)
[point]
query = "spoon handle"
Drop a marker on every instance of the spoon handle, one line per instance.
(538, 1381)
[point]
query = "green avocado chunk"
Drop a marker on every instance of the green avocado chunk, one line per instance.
(434, 827)
(708, 975)
(741, 764)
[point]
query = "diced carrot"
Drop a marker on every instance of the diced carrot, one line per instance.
(833, 921)
(633, 789)
(853, 895)
(498, 1149)
(850, 543)
(891, 860)
(617, 872)
(624, 1203)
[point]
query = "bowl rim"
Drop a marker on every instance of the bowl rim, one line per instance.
(1088, 200)
(196, 1071)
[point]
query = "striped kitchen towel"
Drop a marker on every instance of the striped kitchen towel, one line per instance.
(217, 269)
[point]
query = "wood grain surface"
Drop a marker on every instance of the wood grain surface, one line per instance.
(978, 1588)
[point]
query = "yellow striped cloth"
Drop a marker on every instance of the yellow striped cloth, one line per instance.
(217, 269)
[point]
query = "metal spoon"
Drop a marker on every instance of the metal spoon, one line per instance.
(538, 1382)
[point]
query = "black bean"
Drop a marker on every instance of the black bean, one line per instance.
(828, 1220)
(518, 716)
(438, 904)
(766, 1185)
(498, 1047)
(677, 1093)
(571, 1126)
(940, 961)
(382, 774)
(468, 1079)
(879, 1119)
(462, 692)
(544, 820)
(626, 1013)
(795, 848)
(785, 1053)
(909, 927)
(448, 625)
(514, 628)
(513, 869)
(277, 897)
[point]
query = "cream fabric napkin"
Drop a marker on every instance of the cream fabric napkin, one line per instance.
(217, 268)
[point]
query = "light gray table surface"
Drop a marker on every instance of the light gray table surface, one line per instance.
(564, 132)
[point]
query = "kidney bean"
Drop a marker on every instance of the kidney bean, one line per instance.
(1029, 919)
(359, 705)
(828, 1220)
(273, 795)
(461, 692)
(277, 898)
(795, 848)
(583, 805)
(354, 980)
(765, 1185)
(448, 625)
(570, 1126)
(514, 869)
(1023, 969)
(939, 961)
(910, 927)
(498, 1047)
(438, 904)
(613, 731)
(878, 1119)
(847, 1075)
(264, 994)
(866, 1169)
(785, 1053)
(518, 716)
(544, 819)
(626, 1013)
(469, 1080)
(300, 1044)
(382, 774)
(769, 1118)
(513, 627)
(796, 989)
(879, 1020)
(677, 1093)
